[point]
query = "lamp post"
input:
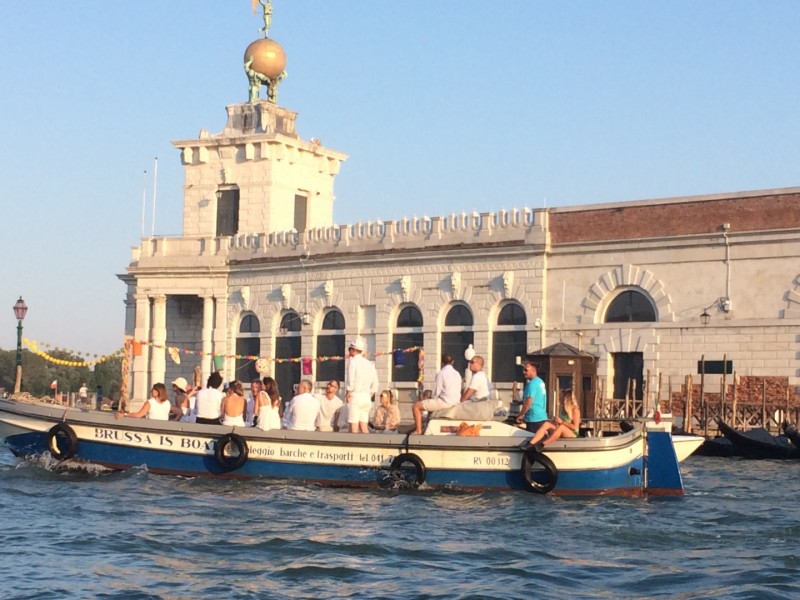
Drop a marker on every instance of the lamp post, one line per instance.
(20, 308)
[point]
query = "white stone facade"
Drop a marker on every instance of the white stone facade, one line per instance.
(736, 256)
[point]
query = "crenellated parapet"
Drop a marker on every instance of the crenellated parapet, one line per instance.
(516, 226)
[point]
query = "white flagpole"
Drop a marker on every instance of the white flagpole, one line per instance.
(144, 199)
(155, 183)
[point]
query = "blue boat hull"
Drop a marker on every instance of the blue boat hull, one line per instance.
(582, 467)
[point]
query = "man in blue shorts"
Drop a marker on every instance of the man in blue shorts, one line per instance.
(534, 407)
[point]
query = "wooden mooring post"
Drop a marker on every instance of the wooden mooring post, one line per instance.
(687, 418)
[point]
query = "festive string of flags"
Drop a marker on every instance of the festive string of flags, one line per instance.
(33, 346)
(175, 353)
(262, 362)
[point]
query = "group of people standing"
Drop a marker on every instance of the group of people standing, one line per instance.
(264, 407)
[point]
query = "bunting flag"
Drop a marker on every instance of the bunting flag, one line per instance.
(34, 347)
(262, 363)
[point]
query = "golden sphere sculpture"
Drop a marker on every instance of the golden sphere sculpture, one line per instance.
(269, 59)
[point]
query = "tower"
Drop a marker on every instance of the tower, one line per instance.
(257, 175)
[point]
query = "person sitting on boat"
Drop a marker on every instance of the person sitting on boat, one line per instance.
(567, 426)
(302, 410)
(233, 405)
(387, 416)
(158, 407)
(446, 392)
(361, 381)
(250, 408)
(478, 386)
(209, 401)
(329, 406)
(179, 389)
(534, 406)
(268, 405)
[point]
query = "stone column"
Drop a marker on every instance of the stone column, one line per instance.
(158, 339)
(221, 334)
(141, 333)
(206, 362)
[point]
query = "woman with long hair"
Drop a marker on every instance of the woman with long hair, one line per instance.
(157, 407)
(268, 407)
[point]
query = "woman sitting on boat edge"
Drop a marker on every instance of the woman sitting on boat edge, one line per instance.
(157, 407)
(558, 427)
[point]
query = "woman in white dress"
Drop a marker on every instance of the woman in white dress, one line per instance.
(233, 405)
(158, 407)
(268, 406)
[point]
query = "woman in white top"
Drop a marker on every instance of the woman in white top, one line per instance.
(157, 407)
(268, 406)
(233, 405)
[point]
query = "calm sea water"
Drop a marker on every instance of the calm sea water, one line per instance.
(136, 535)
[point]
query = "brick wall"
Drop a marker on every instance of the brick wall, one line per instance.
(651, 219)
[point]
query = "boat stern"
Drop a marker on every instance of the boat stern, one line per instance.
(663, 470)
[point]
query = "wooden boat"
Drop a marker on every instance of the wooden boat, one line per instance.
(636, 463)
(790, 431)
(758, 444)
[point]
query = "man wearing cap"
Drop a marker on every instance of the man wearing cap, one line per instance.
(361, 383)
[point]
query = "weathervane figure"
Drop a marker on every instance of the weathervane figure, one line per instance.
(266, 7)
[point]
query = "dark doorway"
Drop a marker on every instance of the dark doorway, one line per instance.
(628, 367)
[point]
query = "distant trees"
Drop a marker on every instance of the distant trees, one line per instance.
(38, 373)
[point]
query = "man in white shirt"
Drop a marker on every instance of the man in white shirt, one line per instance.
(446, 392)
(303, 409)
(330, 404)
(208, 405)
(478, 386)
(361, 384)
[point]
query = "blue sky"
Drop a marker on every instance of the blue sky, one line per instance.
(442, 106)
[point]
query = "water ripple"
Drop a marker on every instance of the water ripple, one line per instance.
(93, 533)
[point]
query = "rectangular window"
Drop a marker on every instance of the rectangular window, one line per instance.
(246, 367)
(330, 345)
(227, 212)
(410, 370)
(508, 345)
(454, 343)
(300, 212)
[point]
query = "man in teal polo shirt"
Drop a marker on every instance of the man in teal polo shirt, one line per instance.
(534, 408)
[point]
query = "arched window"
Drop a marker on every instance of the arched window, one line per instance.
(509, 340)
(407, 334)
(457, 334)
(330, 342)
(287, 345)
(630, 306)
(248, 343)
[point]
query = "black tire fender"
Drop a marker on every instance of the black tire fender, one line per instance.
(61, 435)
(532, 457)
(235, 461)
(400, 468)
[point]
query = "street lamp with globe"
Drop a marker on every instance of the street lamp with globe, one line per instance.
(20, 308)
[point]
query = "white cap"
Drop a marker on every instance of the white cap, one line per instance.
(180, 383)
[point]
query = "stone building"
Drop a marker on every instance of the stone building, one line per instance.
(261, 271)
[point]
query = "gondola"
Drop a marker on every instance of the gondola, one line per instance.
(790, 431)
(759, 444)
